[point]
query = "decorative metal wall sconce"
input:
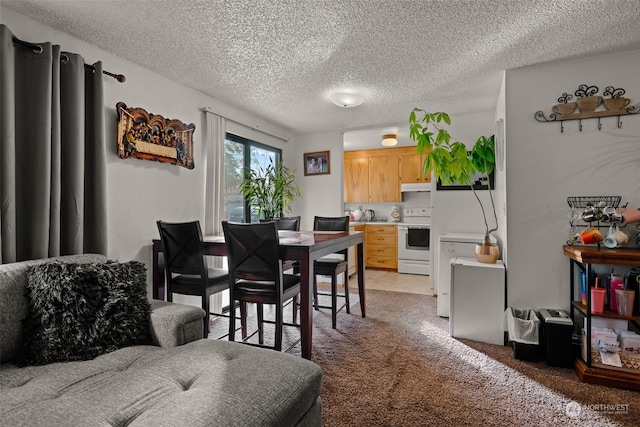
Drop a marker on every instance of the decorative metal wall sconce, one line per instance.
(589, 106)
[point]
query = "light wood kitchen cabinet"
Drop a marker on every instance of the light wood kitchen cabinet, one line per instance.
(375, 175)
(384, 185)
(411, 166)
(371, 176)
(356, 179)
(381, 246)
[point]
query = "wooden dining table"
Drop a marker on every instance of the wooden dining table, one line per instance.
(302, 246)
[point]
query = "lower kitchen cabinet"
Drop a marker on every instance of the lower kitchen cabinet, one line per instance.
(381, 243)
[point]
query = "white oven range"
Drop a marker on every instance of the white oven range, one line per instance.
(414, 241)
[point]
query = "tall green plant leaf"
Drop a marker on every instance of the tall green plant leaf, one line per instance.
(271, 189)
(450, 160)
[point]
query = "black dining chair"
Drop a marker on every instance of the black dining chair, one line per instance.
(289, 223)
(186, 265)
(332, 265)
(285, 223)
(256, 276)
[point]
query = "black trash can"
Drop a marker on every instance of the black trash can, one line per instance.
(523, 327)
(555, 328)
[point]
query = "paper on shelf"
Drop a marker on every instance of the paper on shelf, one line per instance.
(612, 359)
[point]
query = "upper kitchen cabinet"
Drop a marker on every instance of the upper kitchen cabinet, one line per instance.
(356, 179)
(384, 184)
(411, 166)
(375, 175)
(371, 176)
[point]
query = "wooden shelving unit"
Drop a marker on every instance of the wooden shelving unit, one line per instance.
(584, 257)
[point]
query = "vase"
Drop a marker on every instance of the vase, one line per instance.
(487, 252)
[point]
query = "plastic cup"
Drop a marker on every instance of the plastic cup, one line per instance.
(625, 299)
(597, 300)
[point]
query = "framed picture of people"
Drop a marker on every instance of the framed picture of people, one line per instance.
(317, 163)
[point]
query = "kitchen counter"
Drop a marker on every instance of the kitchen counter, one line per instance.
(354, 223)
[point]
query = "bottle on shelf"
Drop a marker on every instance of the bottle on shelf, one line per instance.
(615, 282)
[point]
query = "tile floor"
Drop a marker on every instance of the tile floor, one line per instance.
(392, 281)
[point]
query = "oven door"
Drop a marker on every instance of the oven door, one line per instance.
(414, 242)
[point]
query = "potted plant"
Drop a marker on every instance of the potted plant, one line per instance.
(271, 189)
(452, 162)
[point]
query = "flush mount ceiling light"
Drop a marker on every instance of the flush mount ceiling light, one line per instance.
(389, 140)
(346, 99)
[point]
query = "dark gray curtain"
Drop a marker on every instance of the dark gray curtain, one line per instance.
(52, 153)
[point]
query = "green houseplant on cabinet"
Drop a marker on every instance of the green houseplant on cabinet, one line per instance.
(271, 189)
(452, 162)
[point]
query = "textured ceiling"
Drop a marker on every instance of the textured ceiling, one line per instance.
(279, 59)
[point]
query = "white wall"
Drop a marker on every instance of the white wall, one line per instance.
(459, 211)
(321, 194)
(546, 166)
(140, 191)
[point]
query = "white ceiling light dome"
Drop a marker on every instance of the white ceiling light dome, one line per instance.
(346, 99)
(389, 140)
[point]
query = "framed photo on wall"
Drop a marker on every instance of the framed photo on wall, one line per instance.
(317, 163)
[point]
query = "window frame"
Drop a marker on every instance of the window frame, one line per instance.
(248, 145)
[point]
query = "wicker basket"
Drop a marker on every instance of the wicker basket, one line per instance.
(630, 363)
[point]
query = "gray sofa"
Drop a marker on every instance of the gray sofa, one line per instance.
(181, 380)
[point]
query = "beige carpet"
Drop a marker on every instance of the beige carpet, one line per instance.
(399, 367)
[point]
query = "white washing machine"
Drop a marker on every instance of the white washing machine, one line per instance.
(452, 245)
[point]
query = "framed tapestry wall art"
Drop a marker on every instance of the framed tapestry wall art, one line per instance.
(152, 137)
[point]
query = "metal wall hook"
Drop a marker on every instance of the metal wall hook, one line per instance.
(632, 110)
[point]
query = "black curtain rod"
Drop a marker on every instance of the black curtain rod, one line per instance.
(38, 50)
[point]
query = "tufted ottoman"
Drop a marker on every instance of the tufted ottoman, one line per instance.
(200, 383)
(203, 383)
